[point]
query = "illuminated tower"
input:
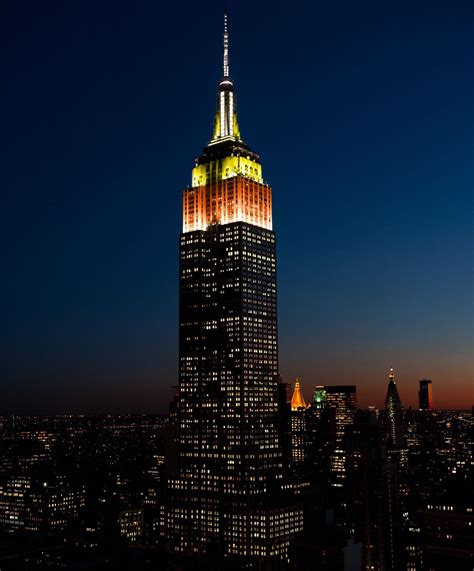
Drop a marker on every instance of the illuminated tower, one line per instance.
(298, 424)
(226, 495)
(227, 184)
(319, 398)
(393, 418)
(297, 400)
(425, 395)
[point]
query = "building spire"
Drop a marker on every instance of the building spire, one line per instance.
(391, 375)
(297, 400)
(226, 126)
(226, 47)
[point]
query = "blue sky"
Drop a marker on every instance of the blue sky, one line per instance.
(362, 114)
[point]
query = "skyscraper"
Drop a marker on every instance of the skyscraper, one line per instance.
(343, 400)
(393, 415)
(298, 424)
(425, 395)
(226, 494)
(320, 430)
(319, 398)
(297, 400)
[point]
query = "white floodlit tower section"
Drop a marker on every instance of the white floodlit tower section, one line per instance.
(225, 127)
(226, 48)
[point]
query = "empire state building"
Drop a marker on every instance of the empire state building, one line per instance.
(227, 492)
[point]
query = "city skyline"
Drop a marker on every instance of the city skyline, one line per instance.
(244, 470)
(362, 279)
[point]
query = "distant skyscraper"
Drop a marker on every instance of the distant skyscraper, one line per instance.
(320, 429)
(297, 400)
(393, 416)
(319, 398)
(343, 400)
(227, 491)
(426, 395)
(298, 424)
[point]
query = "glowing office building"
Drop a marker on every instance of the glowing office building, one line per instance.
(343, 400)
(226, 491)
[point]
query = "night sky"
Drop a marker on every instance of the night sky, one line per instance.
(363, 115)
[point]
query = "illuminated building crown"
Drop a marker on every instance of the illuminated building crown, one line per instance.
(297, 400)
(227, 182)
(225, 123)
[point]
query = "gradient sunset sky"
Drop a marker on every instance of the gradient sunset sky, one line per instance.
(363, 115)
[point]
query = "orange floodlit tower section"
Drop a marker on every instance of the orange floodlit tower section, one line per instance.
(297, 400)
(227, 184)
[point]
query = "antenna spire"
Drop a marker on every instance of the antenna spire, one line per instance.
(391, 375)
(226, 47)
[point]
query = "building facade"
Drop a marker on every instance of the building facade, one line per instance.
(343, 400)
(393, 422)
(298, 425)
(229, 461)
(425, 394)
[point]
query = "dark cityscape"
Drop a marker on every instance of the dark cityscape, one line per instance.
(251, 453)
(388, 489)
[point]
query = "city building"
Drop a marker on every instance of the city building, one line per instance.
(226, 495)
(14, 504)
(297, 400)
(393, 423)
(343, 400)
(425, 395)
(131, 524)
(298, 425)
(449, 535)
(31, 505)
(320, 437)
(320, 401)
(284, 421)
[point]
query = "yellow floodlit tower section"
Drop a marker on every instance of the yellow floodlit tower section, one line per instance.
(227, 184)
